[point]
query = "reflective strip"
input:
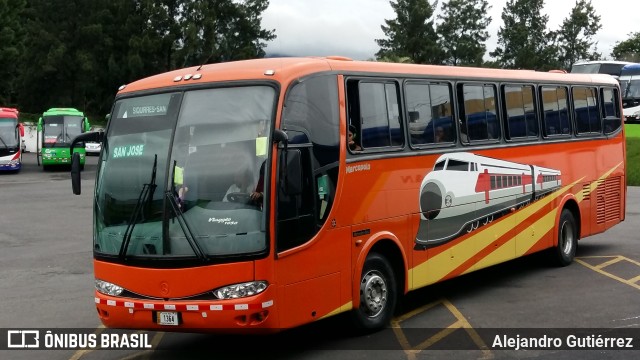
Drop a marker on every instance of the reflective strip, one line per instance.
(180, 307)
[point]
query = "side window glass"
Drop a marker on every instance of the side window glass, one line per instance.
(585, 110)
(555, 111)
(429, 109)
(522, 120)
(479, 121)
(380, 122)
(610, 110)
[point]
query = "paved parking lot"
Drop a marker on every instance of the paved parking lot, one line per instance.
(46, 281)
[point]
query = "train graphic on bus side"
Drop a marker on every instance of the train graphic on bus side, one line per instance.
(465, 191)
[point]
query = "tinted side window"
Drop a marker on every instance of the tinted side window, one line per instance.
(556, 111)
(611, 110)
(380, 123)
(585, 110)
(430, 113)
(522, 120)
(478, 115)
(311, 120)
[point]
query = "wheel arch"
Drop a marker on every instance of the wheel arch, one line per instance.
(570, 203)
(389, 246)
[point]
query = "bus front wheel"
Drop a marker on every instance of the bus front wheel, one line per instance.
(565, 251)
(378, 294)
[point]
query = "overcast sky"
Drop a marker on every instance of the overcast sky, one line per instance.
(350, 27)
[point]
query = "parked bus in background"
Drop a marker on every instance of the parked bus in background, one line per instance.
(630, 88)
(609, 67)
(227, 197)
(56, 129)
(11, 133)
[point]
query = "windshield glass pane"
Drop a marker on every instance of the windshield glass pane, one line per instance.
(633, 89)
(8, 133)
(59, 130)
(586, 68)
(170, 200)
(219, 150)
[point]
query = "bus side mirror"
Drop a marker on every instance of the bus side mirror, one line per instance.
(39, 124)
(21, 127)
(75, 173)
(87, 126)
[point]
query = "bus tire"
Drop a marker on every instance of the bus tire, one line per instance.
(378, 294)
(565, 251)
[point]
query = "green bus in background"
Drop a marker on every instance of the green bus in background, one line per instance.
(56, 130)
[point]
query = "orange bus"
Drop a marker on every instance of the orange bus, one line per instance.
(266, 194)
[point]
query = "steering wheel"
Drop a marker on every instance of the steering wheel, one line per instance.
(238, 197)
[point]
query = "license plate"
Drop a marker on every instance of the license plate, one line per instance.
(168, 318)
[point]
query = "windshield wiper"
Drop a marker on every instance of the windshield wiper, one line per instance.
(184, 226)
(146, 194)
(4, 143)
(171, 196)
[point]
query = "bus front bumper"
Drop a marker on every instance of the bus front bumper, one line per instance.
(251, 314)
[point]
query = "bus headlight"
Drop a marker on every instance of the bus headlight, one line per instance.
(108, 288)
(236, 291)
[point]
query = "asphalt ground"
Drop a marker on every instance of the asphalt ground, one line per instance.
(46, 282)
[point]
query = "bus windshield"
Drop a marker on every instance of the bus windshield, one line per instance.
(8, 133)
(180, 173)
(60, 130)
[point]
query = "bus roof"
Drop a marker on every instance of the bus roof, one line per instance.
(9, 112)
(603, 62)
(631, 69)
(63, 111)
(289, 69)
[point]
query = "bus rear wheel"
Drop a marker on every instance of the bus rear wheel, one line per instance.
(378, 294)
(565, 251)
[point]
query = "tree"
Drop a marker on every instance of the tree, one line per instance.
(411, 34)
(576, 34)
(463, 31)
(628, 50)
(523, 40)
(12, 45)
(223, 30)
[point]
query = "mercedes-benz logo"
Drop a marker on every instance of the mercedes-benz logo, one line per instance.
(164, 288)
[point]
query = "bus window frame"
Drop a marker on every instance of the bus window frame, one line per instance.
(536, 108)
(590, 134)
(401, 113)
(617, 99)
(454, 114)
(569, 104)
(461, 110)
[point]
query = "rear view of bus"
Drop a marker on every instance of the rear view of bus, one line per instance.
(56, 129)
(11, 133)
(630, 88)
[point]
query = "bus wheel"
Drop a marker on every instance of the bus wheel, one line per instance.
(565, 251)
(378, 294)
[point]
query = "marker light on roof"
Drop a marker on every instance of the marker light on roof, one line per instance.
(197, 76)
(188, 76)
(177, 78)
(270, 72)
(122, 87)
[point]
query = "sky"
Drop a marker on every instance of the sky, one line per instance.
(350, 27)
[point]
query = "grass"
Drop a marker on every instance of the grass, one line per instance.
(632, 130)
(633, 161)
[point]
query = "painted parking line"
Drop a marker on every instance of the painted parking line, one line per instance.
(80, 353)
(461, 323)
(615, 259)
